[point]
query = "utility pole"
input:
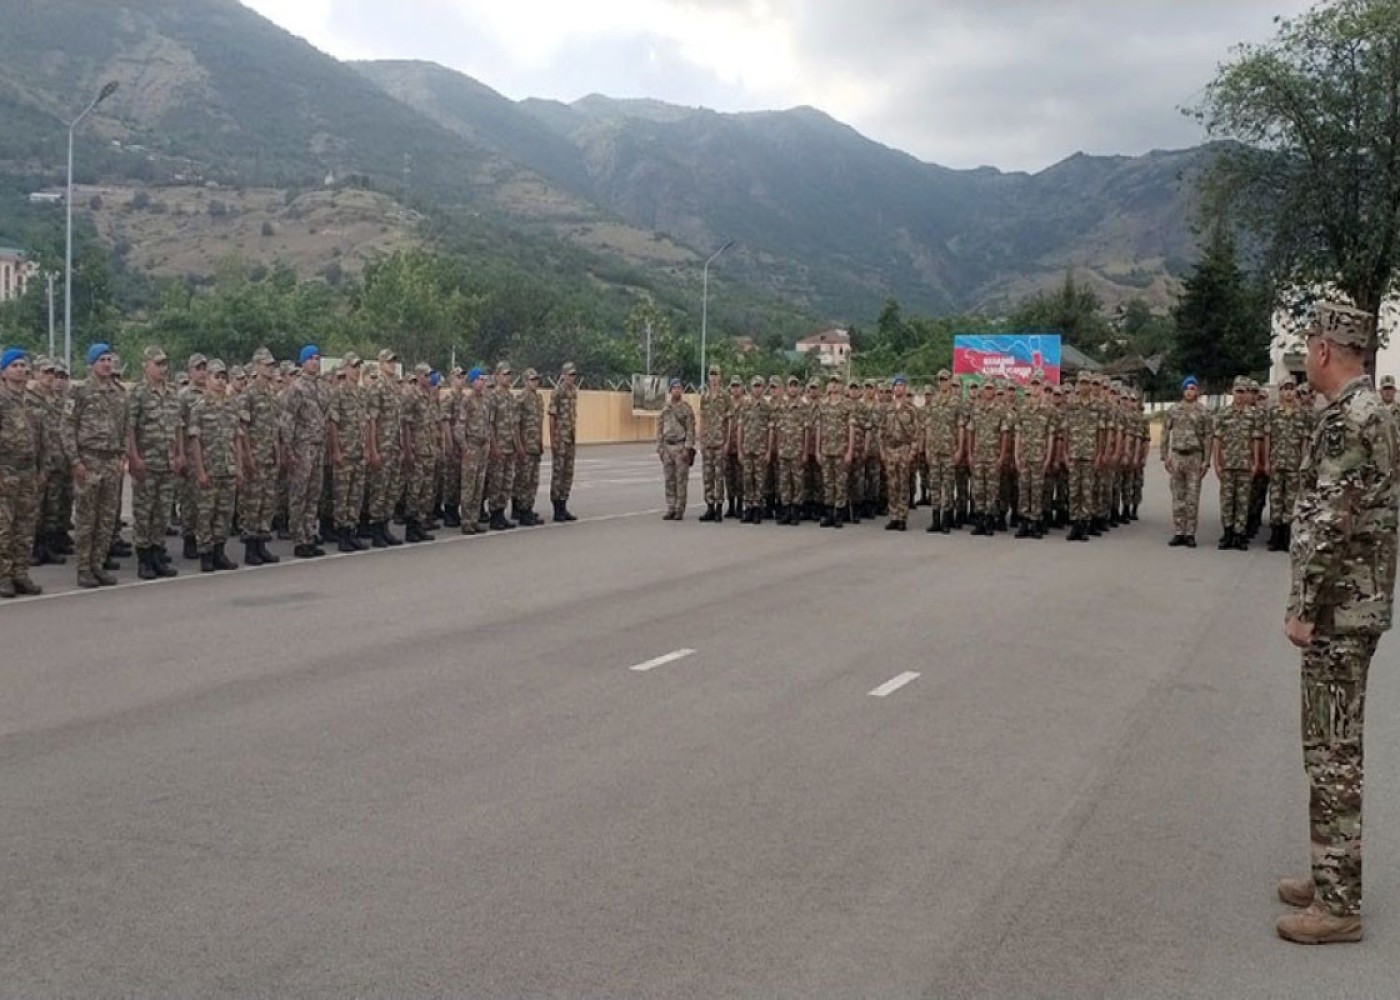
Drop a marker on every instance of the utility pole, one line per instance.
(648, 348)
(705, 304)
(107, 91)
(49, 277)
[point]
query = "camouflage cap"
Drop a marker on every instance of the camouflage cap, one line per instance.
(568, 369)
(154, 353)
(1387, 381)
(714, 370)
(388, 355)
(735, 380)
(216, 366)
(774, 382)
(756, 382)
(423, 368)
(196, 360)
(944, 375)
(1037, 378)
(870, 383)
(350, 360)
(237, 372)
(44, 363)
(814, 383)
(502, 367)
(852, 384)
(794, 380)
(1342, 325)
(262, 356)
(1241, 384)
(531, 373)
(1286, 382)
(60, 366)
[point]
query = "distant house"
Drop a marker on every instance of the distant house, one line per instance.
(15, 273)
(46, 198)
(831, 347)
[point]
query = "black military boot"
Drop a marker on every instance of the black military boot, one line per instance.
(1227, 541)
(1177, 542)
(160, 559)
(836, 517)
(1241, 543)
(206, 562)
(709, 514)
(221, 559)
(144, 568)
(828, 520)
(498, 522)
(945, 522)
(191, 548)
(386, 535)
(267, 557)
(450, 517)
(364, 530)
(1276, 539)
(1024, 531)
(719, 513)
(301, 552)
(935, 523)
(251, 554)
(1287, 537)
(1096, 526)
(343, 541)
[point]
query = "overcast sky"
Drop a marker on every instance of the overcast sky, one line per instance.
(1016, 84)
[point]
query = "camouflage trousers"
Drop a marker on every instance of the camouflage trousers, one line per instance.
(348, 491)
(1102, 493)
(734, 476)
(1081, 489)
(1258, 493)
(1234, 499)
(1006, 490)
(855, 480)
(449, 487)
(96, 507)
(187, 498)
(985, 484)
(1031, 483)
(675, 472)
(897, 482)
(383, 484)
(834, 481)
(962, 489)
(810, 481)
(19, 519)
(941, 481)
(712, 474)
(918, 475)
(755, 470)
(1139, 477)
(1334, 713)
(215, 512)
(304, 492)
(527, 483)
(1185, 480)
(420, 485)
(152, 502)
(561, 472)
(791, 478)
(257, 501)
(500, 478)
(874, 478)
(474, 462)
(56, 503)
(1283, 492)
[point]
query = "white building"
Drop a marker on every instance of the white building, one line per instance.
(1287, 348)
(15, 273)
(832, 347)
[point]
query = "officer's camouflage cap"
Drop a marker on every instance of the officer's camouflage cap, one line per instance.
(944, 375)
(502, 367)
(1241, 384)
(237, 372)
(350, 360)
(531, 373)
(714, 369)
(1342, 325)
(196, 360)
(217, 366)
(794, 380)
(774, 382)
(1387, 381)
(568, 368)
(423, 368)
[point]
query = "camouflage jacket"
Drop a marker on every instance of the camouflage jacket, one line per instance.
(422, 414)
(96, 419)
(21, 432)
(1344, 525)
(384, 405)
(49, 406)
(833, 425)
(154, 415)
(304, 407)
(715, 408)
(347, 412)
(529, 418)
(790, 428)
(987, 425)
(502, 409)
(676, 424)
(260, 422)
(1035, 432)
(1236, 430)
(900, 426)
(1288, 431)
(214, 423)
(563, 407)
(472, 428)
(754, 418)
(1082, 423)
(942, 422)
(1186, 430)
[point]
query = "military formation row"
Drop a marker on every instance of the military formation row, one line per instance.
(312, 456)
(1055, 456)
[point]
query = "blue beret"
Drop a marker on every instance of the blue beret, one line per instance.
(899, 380)
(96, 351)
(307, 353)
(675, 382)
(10, 356)
(1188, 381)
(434, 378)
(475, 374)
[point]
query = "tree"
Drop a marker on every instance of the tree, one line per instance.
(1222, 324)
(1316, 174)
(1074, 312)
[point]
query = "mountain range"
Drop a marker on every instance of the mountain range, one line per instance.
(822, 217)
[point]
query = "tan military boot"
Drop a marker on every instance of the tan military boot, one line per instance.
(1317, 926)
(1297, 892)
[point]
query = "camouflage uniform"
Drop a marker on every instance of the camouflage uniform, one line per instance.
(1288, 433)
(715, 407)
(1186, 442)
(874, 418)
(1035, 440)
(1343, 582)
(421, 414)
(987, 425)
(675, 436)
(754, 426)
(899, 433)
(790, 444)
(1236, 431)
(95, 435)
(733, 463)
(260, 423)
(21, 464)
(1082, 422)
(472, 430)
(563, 407)
(384, 405)
(942, 438)
(500, 474)
(347, 412)
(304, 430)
(155, 426)
(55, 502)
(214, 424)
(185, 493)
(833, 417)
(529, 419)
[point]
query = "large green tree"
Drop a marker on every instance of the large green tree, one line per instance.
(1222, 321)
(1314, 173)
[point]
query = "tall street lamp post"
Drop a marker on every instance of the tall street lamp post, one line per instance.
(705, 305)
(107, 91)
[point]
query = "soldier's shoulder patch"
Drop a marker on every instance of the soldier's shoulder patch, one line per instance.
(1334, 439)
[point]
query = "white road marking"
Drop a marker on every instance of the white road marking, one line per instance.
(891, 686)
(661, 661)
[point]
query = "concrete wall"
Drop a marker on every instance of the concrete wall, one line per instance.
(607, 418)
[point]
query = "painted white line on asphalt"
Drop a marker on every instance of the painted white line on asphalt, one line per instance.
(661, 661)
(891, 686)
(186, 576)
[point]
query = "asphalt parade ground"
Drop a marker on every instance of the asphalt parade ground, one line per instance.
(631, 758)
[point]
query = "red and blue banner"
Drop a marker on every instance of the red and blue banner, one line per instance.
(1010, 356)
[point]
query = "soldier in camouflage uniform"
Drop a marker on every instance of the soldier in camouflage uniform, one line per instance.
(855, 475)
(1237, 441)
(260, 446)
(449, 487)
(305, 404)
(197, 370)
(346, 424)
(1187, 441)
(50, 542)
(212, 437)
(811, 491)
(156, 457)
(1083, 450)
(675, 446)
(21, 470)
(755, 444)
(505, 446)
(422, 421)
(1340, 602)
(942, 442)
(529, 418)
(1034, 452)
(1142, 424)
(384, 482)
(95, 435)
(1388, 396)
(1057, 483)
(987, 450)
(714, 443)
(733, 462)
(472, 430)
(790, 447)
(835, 448)
(899, 435)
(563, 427)
(1285, 438)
